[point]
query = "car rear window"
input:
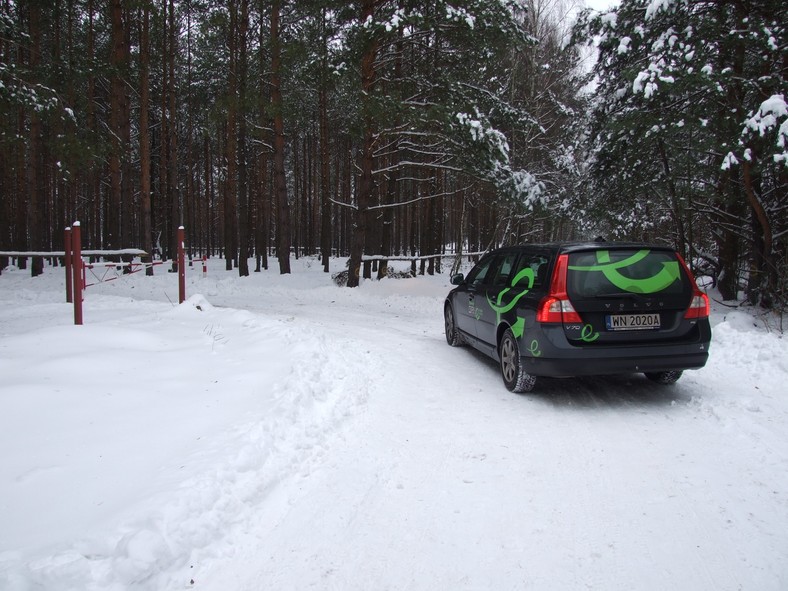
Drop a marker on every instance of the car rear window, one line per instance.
(601, 273)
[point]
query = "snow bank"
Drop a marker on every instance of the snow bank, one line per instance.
(135, 439)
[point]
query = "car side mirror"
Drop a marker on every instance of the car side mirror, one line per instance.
(457, 279)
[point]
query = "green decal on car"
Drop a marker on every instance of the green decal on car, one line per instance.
(519, 326)
(497, 307)
(534, 348)
(665, 277)
(588, 334)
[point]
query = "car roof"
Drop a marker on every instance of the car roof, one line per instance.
(568, 247)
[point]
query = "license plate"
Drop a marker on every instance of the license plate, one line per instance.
(632, 321)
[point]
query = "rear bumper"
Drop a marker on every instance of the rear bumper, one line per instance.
(610, 364)
(550, 354)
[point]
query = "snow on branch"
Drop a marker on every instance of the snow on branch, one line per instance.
(419, 198)
(767, 118)
(409, 163)
(481, 133)
(772, 115)
(656, 6)
(520, 185)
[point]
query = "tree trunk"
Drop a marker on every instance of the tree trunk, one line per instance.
(231, 144)
(126, 194)
(262, 189)
(761, 287)
(112, 224)
(243, 189)
(172, 159)
(146, 229)
(729, 248)
(208, 194)
(190, 201)
(34, 180)
(159, 204)
(367, 155)
(325, 181)
(676, 210)
(7, 188)
(280, 182)
(729, 243)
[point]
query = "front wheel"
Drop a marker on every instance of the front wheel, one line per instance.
(514, 375)
(666, 378)
(452, 334)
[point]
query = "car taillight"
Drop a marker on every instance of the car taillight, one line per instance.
(699, 305)
(553, 309)
(555, 306)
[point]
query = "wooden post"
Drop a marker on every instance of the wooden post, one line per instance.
(67, 258)
(76, 263)
(181, 267)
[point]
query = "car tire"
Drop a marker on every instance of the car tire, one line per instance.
(666, 378)
(452, 334)
(514, 375)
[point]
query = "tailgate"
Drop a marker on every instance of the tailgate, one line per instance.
(628, 296)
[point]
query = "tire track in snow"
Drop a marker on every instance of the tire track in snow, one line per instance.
(328, 384)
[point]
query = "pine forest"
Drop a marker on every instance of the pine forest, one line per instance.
(372, 130)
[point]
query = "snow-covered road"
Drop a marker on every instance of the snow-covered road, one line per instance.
(362, 452)
(449, 481)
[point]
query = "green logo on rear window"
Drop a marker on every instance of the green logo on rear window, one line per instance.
(662, 278)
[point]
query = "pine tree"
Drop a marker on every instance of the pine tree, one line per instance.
(685, 134)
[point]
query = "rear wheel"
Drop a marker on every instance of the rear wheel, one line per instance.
(514, 375)
(452, 334)
(666, 378)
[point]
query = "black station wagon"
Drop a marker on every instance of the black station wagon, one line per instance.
(575, 309)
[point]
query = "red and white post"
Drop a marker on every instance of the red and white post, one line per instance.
(181, 266)
(67, 259)
(76, 267)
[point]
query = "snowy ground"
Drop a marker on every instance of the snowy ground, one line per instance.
(283, 433)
